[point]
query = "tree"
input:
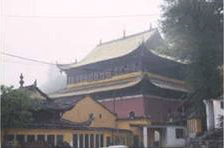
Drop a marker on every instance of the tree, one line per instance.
(194, 29)
(15, 106)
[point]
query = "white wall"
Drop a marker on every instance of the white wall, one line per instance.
(217, 112)
(213, 112)
(209, 114)
(171, 137)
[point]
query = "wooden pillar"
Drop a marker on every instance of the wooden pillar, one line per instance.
(99, 140)
(94, 140)
(89, 140)
(25, 138)
(145, 137)
(45, 138)
(78, 140)
(55, 140)
(35, 138)
(83, 138)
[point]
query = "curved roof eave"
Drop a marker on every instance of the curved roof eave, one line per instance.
(86, 92)
(123, 82)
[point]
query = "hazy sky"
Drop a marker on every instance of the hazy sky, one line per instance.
(63, 30)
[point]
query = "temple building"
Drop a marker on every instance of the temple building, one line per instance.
(133, 81)
(120, 93)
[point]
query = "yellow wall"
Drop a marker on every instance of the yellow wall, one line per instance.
(81, 113)
(194, 125)
(85, 107)
(125, 124)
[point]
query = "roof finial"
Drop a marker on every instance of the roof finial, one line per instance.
(35, 83)
(21, 82)
(124, 32)
(150, 26)
(100, 42)
(76, 60)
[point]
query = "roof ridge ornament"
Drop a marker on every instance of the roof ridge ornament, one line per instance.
(21, 82)
(124, 32)
(100, 42)
(150, 26)
(35, 83)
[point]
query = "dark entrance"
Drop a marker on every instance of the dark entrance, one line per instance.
(136, 142)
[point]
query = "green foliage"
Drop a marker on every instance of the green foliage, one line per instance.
(15, 105)
(195, 28)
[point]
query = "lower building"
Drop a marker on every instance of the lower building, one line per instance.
(86, 123)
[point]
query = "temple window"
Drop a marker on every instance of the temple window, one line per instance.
(90, 77)
(10, 137)
(128, 69)
(100, 116)
(50, 139)
(85, 77)
(59, 139)
(92, 115)
(72, 80)
(131, 115)
(101, 140)
(108, 73)
(96, 76)
(108, 141)
(68, 80)
(133, 67)
(97, 140)
(221, 104)
(137, 65)
(77, 79)
(86, 140)
(121, 69)
(75, 140)
(80, 78)
(81, 140)
(30, 138)
(179, 133)
(101, 75)
(40, 137)
(125, 68)
(20, 138)
(116, 70)
(91, 141)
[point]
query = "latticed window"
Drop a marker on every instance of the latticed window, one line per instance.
(90, 76)
(50, 139)
(10, 137)
(101, 75)
(221, 104)
(40, 137)
(59, 139)
(30, 138)
(96, 76)
(179, 133)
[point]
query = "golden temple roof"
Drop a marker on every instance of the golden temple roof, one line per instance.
(114, 49)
